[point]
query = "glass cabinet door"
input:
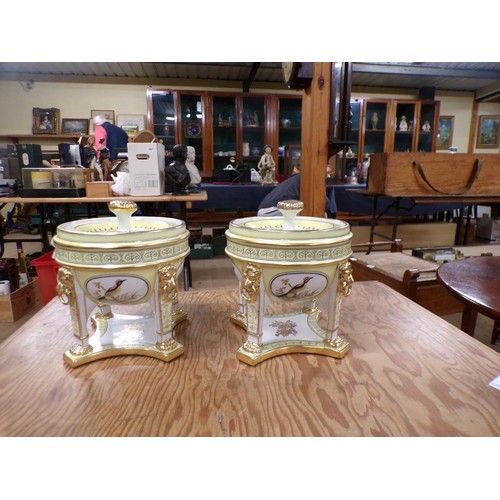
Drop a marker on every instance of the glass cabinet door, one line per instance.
(164, 117)
(426, 130)
(375, 126)
(253, 130)
(405, 123)
(224, 127)
(289, 128)
(191, 107)
(355, 128)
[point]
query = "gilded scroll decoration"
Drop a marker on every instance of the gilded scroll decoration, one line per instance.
(250, 283)
(345, 279)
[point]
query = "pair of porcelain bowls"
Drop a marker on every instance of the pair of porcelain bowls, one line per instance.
(118, 275)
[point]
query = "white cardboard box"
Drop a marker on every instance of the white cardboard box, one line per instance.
(146, 166)
(488, 229)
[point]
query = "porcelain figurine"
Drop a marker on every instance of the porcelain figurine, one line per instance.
(403, 124)
(267, 166)
(194, 173)
(426, 127)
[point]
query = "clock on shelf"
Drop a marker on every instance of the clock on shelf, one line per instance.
(297, 75)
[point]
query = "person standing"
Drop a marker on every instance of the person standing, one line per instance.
(114, 137)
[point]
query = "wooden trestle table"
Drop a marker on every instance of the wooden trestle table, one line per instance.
(408, 373)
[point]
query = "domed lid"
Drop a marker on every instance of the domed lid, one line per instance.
(120, 230)
(289, 228)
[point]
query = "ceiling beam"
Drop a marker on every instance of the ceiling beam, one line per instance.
(414, 69)
(488, 93)
(248, 82)
(150, 81)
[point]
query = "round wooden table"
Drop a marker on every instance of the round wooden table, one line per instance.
(475, 282)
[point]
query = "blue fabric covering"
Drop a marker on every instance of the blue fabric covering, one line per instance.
(246, 197)
(350, 200)
(340, 198)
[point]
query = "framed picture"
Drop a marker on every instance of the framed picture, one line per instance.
(132, 124)
(487, 132)
(444, 138)
(45, 121)
(75, 126)
(108, 114)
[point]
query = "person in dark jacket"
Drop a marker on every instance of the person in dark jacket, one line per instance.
(289, 189)
(115, 137)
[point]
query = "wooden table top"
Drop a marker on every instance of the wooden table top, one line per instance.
(475, 282)
(437, 198)
(201, 196)
(408, 373)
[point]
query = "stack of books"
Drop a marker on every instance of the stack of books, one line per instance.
(435, 254)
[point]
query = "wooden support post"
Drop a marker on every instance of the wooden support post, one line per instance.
(314, 145)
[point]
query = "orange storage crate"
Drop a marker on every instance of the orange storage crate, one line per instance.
(46, 270)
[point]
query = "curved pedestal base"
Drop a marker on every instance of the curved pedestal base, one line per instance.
(297, 332)
(123, 334)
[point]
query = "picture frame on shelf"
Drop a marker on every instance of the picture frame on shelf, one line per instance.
(45, 121)
(488, 136)
(444, 138)
(193, 129)
(132, 124)
(108, 114)
(75, 126)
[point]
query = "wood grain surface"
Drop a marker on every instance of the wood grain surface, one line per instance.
(409, 373)
(476, 282)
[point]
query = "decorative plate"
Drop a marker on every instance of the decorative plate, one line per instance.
(193, 130)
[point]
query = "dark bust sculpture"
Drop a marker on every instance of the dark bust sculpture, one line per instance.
(177, 178)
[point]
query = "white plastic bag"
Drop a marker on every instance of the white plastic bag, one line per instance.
(121, 187)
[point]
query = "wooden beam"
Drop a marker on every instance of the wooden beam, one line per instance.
(248, 82)
(473, 127)
(314, 145)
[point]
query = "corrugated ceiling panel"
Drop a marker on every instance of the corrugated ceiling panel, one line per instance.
(466, 76)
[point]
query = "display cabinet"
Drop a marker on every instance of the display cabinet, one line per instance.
(375, 127)
(405, 120)
(347, 160)
(368, 134)
(391, 125)
(289, 130)
(428, 126)
(190, 112)
(253, 129)
(414, 126)
(224, 125)
(163, 116)
(387, 125)
(221, 125)
(355, 129)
